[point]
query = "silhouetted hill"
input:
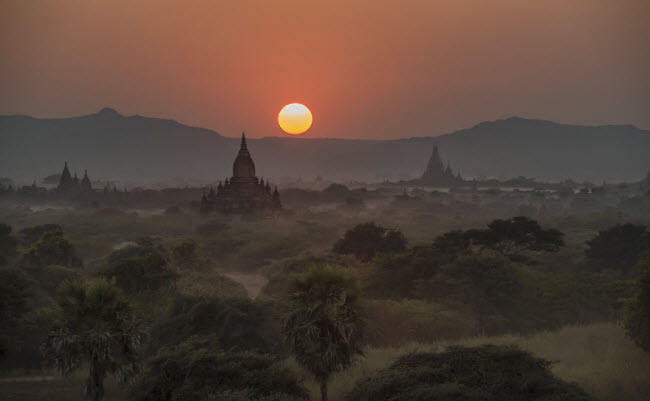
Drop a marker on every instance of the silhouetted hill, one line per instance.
(150, 150)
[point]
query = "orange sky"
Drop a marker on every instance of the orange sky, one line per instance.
(366, 69)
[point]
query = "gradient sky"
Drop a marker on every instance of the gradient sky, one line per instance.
(365, 68)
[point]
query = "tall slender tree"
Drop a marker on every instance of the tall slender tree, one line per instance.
(324, 326)
(95, 326)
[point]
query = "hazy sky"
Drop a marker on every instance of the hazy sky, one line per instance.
(366, 69)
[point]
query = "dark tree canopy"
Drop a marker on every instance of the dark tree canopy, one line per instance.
(7, 244)
(52, 248)
(237, 323)
(184, 252)
(14, 293)
(489, 284)
(516, 236)
(30, 235)
(367, 240)
(148, 272)
(453, 243)
(487, 373)
(199, 369)
(636, 310)
(618, 247)
(142, 247)
(418, 263)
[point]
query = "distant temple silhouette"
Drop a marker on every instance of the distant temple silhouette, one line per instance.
(243, 193)
(67, 184)
(438, 175)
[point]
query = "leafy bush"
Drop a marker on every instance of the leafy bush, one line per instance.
(452, 244)
(210, 285)
(490, 285)
(14, 293)
(184, 252)
(636, 310)
(238, 323)
(52, 249)
(618, 247)
(395, 322)
(558, 299)
(199, 370)
(30, 235)
(281, 273)
(149, 272)
(487, 373)
(7, 244)
(394, 276)
(23, 328)
(367, 240)
(517, 236)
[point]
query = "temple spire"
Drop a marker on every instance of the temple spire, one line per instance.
(243, 140)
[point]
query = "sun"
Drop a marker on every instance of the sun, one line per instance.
(295, 118)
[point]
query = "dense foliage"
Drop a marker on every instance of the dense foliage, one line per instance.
(14, 294)
(367, 240)
(489, 285)
(618, 247)
(188, 276)
(487, 373)
(184, 253)
(29, 235)
(7, 244)
(52, 248)
(148, 272)
(236, 323)
(517, 236)
(200, 370)
(636, 310)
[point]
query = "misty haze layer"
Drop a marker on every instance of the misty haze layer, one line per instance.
(150, 151)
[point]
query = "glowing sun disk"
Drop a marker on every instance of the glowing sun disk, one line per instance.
(295, 118)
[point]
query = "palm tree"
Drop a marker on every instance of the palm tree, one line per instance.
(324, 327)
(95, 326)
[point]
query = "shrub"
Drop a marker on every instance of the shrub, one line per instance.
(30, 235)
(210, 285)
(392, 323)
(14, 293)
(367, 240)
(490, 285)
(7, 244)
(238, 323)
(199, 370)
(636, 310)
(149, 272)
(618, 247)
(184, 252)
(394, 276)
(517, 236)
(487, 373)
(52, 249)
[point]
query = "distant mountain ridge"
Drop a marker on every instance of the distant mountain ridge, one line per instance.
(151, 150)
